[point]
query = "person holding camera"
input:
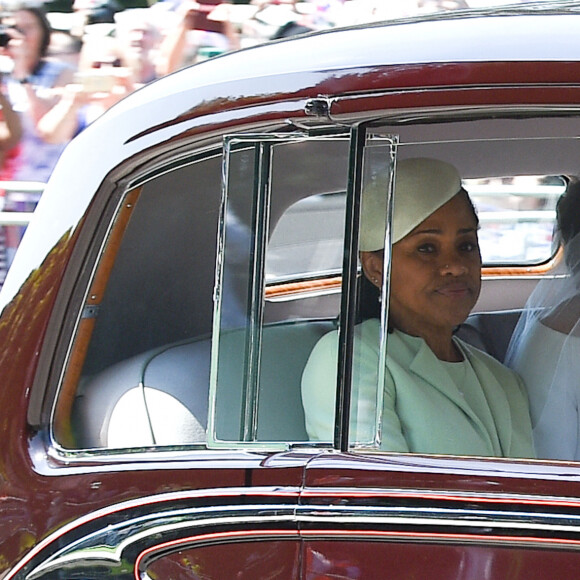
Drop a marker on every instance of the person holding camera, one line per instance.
(112, 64)
(10, 134)
(33, 88)
(195, 27)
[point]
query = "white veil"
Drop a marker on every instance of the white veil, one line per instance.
(545, 351)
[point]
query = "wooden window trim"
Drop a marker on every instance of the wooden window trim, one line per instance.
(62, 423)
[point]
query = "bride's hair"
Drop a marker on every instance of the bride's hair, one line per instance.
(568, 211)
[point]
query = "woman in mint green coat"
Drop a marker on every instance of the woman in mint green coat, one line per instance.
(441, 395)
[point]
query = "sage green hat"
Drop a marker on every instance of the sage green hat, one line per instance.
(422, 186)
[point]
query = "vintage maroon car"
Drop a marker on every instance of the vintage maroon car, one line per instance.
(192, 246)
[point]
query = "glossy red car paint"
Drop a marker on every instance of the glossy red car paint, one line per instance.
(307, 512)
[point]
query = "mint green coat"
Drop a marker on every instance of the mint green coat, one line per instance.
(424, 411)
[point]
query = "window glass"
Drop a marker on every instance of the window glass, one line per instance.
(259, 391)
(308, 239)
(142, 348)
(365, 378)
(517, 216)
(260, 346)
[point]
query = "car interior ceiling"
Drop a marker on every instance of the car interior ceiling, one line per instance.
(496, 147)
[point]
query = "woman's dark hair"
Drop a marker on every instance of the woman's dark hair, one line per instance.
(40, 15)
(471, 205)
(369, 305)
(568, 211)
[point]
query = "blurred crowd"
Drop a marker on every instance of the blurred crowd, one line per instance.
(61, 70)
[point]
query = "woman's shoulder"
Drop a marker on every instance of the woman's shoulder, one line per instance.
(366, 333)
(564, 318)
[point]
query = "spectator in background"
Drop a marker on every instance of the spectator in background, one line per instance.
(138, 37)
(10, 133)
(101, 81)
(115, 60)
(192, 26)
(32, 88)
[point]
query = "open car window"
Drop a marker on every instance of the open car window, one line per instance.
(257, 366)
(299, 251)
(137, 371)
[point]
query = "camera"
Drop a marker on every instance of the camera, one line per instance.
(96, 81)
(4, 36)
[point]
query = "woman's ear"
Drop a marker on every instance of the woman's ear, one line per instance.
(372, 265)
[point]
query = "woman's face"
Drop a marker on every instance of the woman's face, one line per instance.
(436, 272)
(29, 32)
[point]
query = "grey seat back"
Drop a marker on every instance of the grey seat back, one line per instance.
(160, 397)
(157, 397)
(285, 351)
(490, 331)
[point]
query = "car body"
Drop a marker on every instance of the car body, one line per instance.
(153, 332)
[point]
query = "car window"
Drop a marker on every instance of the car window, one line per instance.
(260, 346)
(517, 216)
(141, 350)
(262, 342)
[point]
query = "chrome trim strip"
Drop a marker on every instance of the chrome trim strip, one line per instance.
(112, 537)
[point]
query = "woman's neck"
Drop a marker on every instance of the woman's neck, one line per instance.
(446, 351)
(441, 343)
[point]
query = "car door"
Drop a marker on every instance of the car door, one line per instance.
(365, 512)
